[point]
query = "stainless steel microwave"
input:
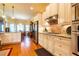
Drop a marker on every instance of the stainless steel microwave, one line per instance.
(75, 26)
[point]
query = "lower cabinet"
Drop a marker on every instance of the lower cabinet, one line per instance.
(62, 46)
(45, 41)
(51, 44)
(56, 45)
(41, 39)
(9, 38)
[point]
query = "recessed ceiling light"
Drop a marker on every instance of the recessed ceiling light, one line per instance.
(13, 17)
(31, 8)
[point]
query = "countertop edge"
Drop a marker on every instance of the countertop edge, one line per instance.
(59, 35)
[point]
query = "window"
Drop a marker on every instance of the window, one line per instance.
(27, 27)
(12, 28)
(1, 27)
(20, 27)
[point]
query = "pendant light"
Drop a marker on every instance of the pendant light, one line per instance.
(3, 10)
(13, 12)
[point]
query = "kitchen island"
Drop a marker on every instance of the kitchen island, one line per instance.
(10, 37)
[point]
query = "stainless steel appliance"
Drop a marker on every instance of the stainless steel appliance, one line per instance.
(75, 29)
(66, 29)
(34, 31)
(75, 42)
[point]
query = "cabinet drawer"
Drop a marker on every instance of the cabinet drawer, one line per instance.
(65, 41)
(65, 48)
(57, 40)
(57, 52)
(60, 52)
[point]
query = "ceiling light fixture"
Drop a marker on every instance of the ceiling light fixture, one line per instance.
(31, 8)
(3, 10)
(13, 12)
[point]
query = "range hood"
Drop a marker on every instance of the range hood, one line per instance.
(52, 20)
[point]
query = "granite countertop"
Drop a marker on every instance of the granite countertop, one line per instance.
(56, 34)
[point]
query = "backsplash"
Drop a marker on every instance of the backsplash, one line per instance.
(55, 28)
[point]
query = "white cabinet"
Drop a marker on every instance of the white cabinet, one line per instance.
(62, 46)
(51, 44)
(64, 13)
(45, 41)
(68, 13)
(59, 46)
(61, 13)
(41, 39)
(53, 9)
(48, 11)
(9, 38)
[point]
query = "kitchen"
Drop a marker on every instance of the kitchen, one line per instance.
(54, 29)
(55, 33)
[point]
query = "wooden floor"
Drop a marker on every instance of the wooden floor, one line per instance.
(25, 48)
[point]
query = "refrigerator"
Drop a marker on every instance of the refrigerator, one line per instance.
(35, 31)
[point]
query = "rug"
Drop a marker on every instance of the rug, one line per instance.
(5, 52)
(42, 52)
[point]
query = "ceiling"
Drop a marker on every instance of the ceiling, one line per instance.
(24, 11)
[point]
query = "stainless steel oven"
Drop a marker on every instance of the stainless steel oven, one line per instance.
(75, 42)
(75, 29)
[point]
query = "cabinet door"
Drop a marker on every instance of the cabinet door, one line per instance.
(15, 38)
(41, 40)
(53, 9)
(62, 46)
(48, 11)
(64, 13)
(6, 39)
(61, 14)
(51, 44)
(68, 16)
(45, 41)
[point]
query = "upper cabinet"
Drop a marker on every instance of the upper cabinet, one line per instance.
(53, 9)
(68, 14)
(62, 10)
(47, 11)
(61, 13)
(75, 12)
(43, 17)
(64, 13)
